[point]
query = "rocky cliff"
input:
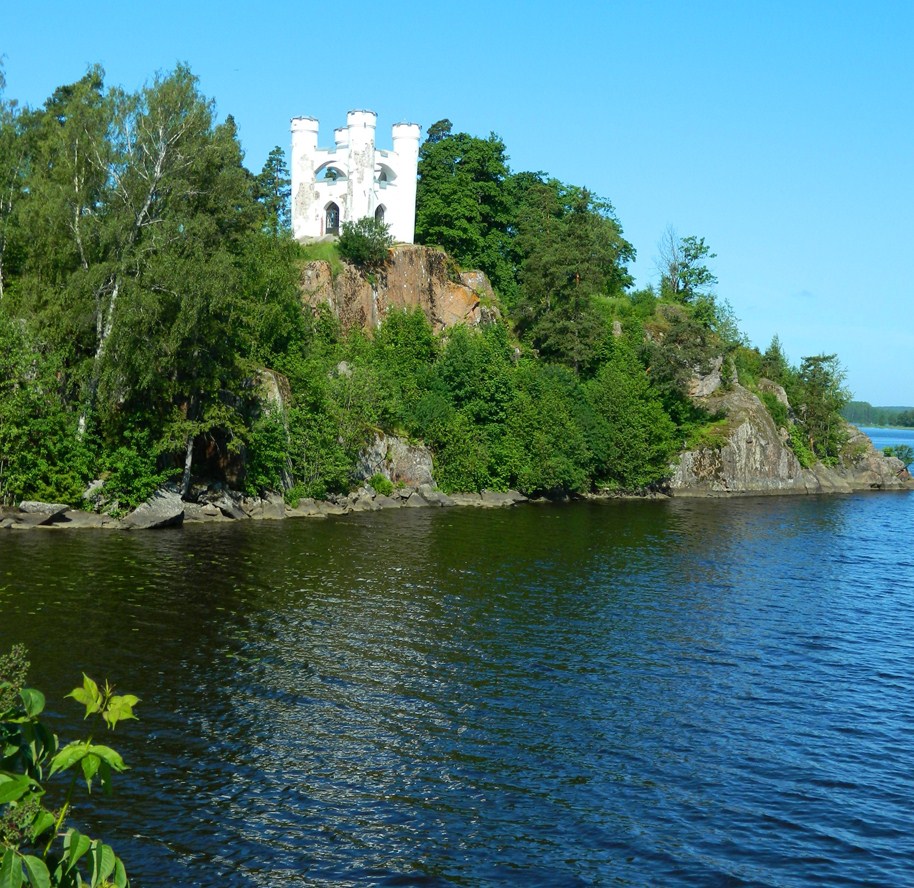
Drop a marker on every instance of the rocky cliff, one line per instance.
(751, 455)
(414, 277)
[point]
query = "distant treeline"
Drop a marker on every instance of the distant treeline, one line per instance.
(864, 413)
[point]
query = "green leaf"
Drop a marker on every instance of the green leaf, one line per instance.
(109, 756)
(14, 786)
(42, 823)
(88, 695)
(120, 709)
(90, 768)
(76, 845)
(120, 874)
(103, 860)
(37, 871)
(33, 701)
(10, 870)
(68, 756)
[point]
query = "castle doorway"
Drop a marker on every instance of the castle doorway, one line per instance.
(332, 220)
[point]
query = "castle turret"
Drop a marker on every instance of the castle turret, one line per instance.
(361, 127)
(406, 148)
(304, 153)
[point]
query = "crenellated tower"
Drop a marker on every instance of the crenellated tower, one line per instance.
(353, 179)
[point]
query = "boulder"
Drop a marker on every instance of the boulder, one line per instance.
(397, 460)
(42, 513)
(753, 456)
(430, 495)
(164, 508)
(229, 507)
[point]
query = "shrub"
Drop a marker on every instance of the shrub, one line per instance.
(37, 846)
(800, 446)
(777, 410)
(365, 243)
(381, 484)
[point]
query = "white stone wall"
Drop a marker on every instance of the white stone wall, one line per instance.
(368, 178)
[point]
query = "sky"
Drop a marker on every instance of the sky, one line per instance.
(781, 132)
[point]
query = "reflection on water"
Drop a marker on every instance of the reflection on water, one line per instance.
(682, 692)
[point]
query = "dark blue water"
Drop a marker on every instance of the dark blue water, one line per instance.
(648, 693)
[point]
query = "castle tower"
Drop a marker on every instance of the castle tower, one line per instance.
(353, 179)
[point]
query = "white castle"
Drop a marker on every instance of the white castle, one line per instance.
(353, 179)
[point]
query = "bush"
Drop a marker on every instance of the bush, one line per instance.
(381, 484)
(365, 243)
(800, 446)
(777, 410)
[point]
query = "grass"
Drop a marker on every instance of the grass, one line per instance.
(323, 250)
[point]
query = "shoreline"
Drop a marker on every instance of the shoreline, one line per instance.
(227, 509)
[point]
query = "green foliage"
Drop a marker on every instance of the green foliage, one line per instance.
(818, 395)
(777, 409)
(326, 251)
(633, 437)
(709, 436)
(267, 462)
(38, 847)
(365, 243)
(462, 202)
(130, 471)
(381, 484)
(799, 444)
(904, 452)
(41, 456)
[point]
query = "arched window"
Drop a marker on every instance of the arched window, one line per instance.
(332, 219)
(384, 175)
(379, 213)
(329, 173)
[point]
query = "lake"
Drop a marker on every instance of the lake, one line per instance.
(682, 692)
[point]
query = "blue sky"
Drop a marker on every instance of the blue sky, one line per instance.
(781, 132)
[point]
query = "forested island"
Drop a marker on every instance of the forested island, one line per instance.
(149, 285)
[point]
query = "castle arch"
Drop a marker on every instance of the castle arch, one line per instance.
(379, 213)
(331, 219)
(384, 175)
(329, 172)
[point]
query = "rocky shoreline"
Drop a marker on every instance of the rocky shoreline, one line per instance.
(166, 508)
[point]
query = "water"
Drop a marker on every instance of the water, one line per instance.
(666, 693)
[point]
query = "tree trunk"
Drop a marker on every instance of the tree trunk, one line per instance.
(188, 462)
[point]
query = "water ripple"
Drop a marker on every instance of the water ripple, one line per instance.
(635, 693)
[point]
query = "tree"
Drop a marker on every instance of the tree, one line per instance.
(461, 200)
(272, 188)
(684, 276)
(12, 173)
(818, 396)
(569, 249)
